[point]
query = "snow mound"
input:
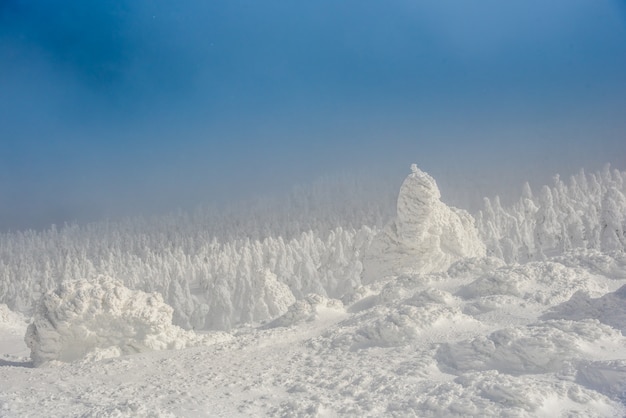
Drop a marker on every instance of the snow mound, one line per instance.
(404, 324)
(102, 318)
(540, 348)
(309, 309)
(611, 264)
(426, 236)
(492, 394)
(404, 312)
(401, 288)
(474, 267)
(10, 320)
(607, 377)
(609, 309)
(546, 283)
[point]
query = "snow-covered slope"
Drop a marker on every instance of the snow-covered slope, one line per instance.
(517, 313)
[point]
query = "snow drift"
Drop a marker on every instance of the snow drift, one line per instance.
(426, 236)
(609, 309)
(533, 349)
(102, 318)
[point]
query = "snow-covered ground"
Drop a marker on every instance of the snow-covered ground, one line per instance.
(517, 312)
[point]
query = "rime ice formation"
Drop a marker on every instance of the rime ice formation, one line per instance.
(102, 318)
(589, 212)
(250, 298)
(426, 236)
(210, 284)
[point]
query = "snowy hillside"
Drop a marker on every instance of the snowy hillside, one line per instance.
(517, 311)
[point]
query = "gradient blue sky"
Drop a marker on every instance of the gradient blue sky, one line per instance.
(110, 108)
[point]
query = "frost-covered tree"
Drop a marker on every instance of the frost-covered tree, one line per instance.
(589, 212)
(215, 266)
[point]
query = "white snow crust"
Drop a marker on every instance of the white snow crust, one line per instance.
(519, 311)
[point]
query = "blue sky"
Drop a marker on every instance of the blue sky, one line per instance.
(122, 107)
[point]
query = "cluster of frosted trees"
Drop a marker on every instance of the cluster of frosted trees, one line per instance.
(210, 284)
(218, 270)
(588, 212)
